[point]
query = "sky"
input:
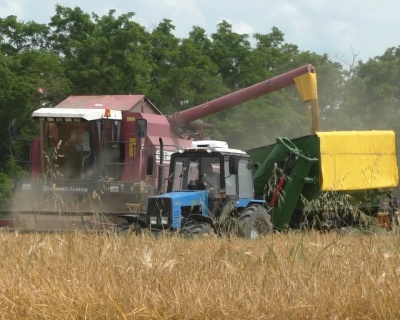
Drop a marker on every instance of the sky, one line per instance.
(343, 29)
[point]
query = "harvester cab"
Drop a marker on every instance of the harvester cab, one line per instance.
(69, 166)
(73, 142)
(210, 187)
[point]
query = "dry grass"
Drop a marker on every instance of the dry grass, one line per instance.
(291, 276)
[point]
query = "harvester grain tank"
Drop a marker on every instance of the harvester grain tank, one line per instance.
(124, 130)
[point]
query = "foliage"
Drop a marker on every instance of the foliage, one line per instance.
(81, 53)
(378, 100)
(5, 190)
(101, 54)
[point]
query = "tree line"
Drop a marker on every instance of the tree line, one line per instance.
(83, 53)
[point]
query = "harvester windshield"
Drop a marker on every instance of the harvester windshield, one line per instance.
(69, 149)
(78, 144)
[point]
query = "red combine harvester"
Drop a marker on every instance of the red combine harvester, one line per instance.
(88, 165)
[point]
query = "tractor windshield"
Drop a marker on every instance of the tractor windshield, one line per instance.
(194, 172)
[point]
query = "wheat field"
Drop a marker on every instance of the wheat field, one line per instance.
(281, 276)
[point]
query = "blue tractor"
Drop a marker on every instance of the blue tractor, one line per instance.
(210, 190)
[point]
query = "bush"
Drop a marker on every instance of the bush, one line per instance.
(5, 190)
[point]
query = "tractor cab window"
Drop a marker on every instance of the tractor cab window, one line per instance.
(186, 169)
(245, 179)
(241, 184)
(230, 181)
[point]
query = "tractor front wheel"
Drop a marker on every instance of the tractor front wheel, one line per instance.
(197, 228)
(128, 228)
(254, 222)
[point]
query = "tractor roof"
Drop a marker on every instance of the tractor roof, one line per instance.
(213, 145)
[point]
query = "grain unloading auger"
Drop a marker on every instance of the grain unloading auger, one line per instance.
(72, 186)
(304, 78)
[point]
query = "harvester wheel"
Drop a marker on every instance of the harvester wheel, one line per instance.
(254, 222)
(197, 228)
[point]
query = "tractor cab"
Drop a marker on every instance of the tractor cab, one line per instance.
(212, 165)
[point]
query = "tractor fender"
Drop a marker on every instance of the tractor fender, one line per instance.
(134, 218)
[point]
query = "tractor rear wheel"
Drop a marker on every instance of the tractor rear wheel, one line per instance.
(197, 228)
(254, 222)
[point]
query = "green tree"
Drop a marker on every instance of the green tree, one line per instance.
(25, 66)
(101, 55)
(165, 80)
(16, 36)
(269, 57)
(5, 190)
(378, 95)
(229, 51)
(198, 74)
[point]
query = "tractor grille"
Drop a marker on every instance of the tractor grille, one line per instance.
(159, 211)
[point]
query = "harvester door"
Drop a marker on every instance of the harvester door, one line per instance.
(150, 165)
(113, 148)
(141, 128)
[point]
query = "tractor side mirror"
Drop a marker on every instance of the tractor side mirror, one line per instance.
(13, 128)
(233, 164)
(150, 165)
(141, 128)
(251, 166)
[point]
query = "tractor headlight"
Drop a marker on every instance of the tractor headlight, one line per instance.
(181, 149)
(153, 220)
(164, 220)
(114, 188)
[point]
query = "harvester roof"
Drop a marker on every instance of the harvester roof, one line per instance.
(132, 103)
(53, 114)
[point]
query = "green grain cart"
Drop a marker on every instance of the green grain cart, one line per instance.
(329, 179)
